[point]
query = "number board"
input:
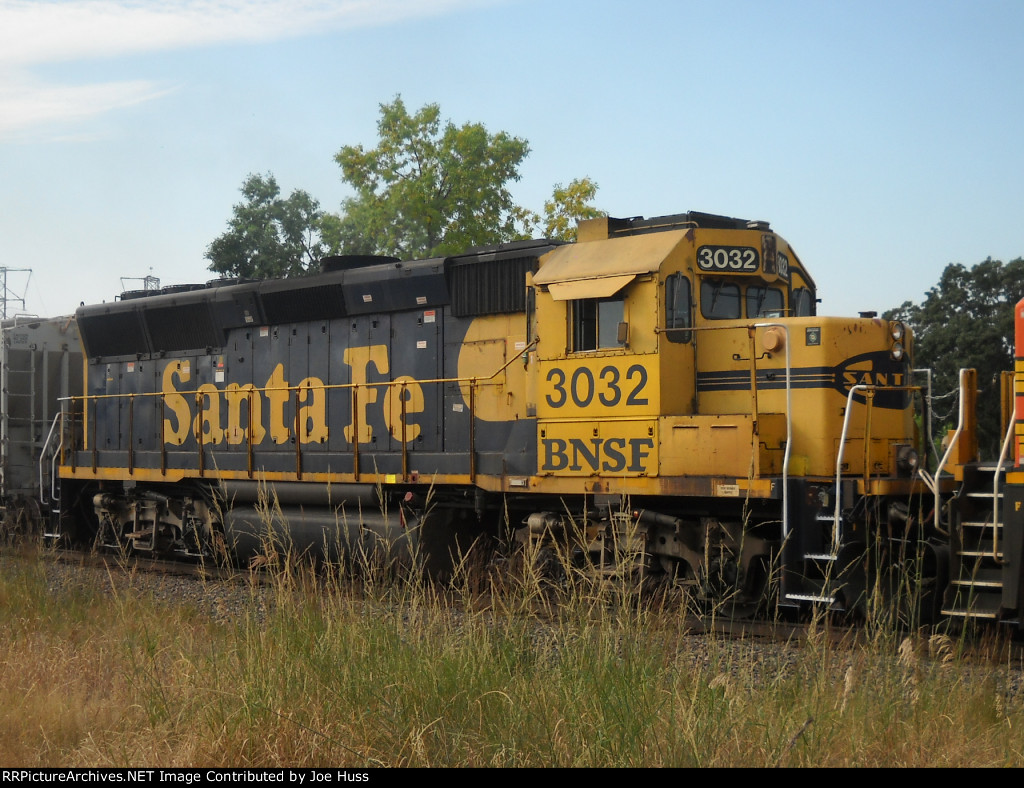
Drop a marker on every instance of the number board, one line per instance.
(597, 387)
(740, 260)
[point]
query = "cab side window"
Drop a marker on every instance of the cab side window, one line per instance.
(595, 323)
(677, 308)
(803, 302)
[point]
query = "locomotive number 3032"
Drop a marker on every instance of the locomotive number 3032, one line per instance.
(728, 258)
(609, 387)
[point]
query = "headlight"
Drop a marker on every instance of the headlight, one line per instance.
(897, 351)
(897, 330)
(906, 460)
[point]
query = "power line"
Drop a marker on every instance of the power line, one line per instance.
(6, 294)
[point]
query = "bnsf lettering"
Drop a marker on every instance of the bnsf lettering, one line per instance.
(607, 386)
(217, 416)
(609, 455)
(873, 378)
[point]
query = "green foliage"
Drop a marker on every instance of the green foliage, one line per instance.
(966, 321)
(567, 207)
(427, 189)
(269, 235)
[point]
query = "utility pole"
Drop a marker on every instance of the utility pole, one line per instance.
(6, 295)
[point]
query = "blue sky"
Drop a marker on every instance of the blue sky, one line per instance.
(883, 140)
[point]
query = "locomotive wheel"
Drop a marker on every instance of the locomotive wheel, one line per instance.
(213, 547)
(452, 542)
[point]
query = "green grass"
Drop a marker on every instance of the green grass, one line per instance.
(360, 674)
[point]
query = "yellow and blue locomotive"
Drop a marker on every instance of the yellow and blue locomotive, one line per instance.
(660, 393)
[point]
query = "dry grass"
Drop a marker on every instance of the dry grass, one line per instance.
(392, 674)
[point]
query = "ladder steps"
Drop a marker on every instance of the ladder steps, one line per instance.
(990, 614)
(978, 583)
(811, 598)
(987, 572)
(984, 604)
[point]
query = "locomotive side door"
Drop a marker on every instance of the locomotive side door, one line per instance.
(272, 448)
(676, 344)
(362, 364)
(344, 334)
(312, 398)
(237, 371)
(134, 409)
(416, 351)
(113, 410)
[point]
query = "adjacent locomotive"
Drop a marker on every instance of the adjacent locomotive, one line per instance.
(40, 366)
(660, 394)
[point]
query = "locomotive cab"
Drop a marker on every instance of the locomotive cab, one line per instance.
(680, 364)
(687, 346)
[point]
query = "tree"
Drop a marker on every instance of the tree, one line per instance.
(567, 207)
(427, 189)
(271, 236)
(966, 321)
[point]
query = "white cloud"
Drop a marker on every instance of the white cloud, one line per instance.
(36, 32)
(46, 31)
(26, 103)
